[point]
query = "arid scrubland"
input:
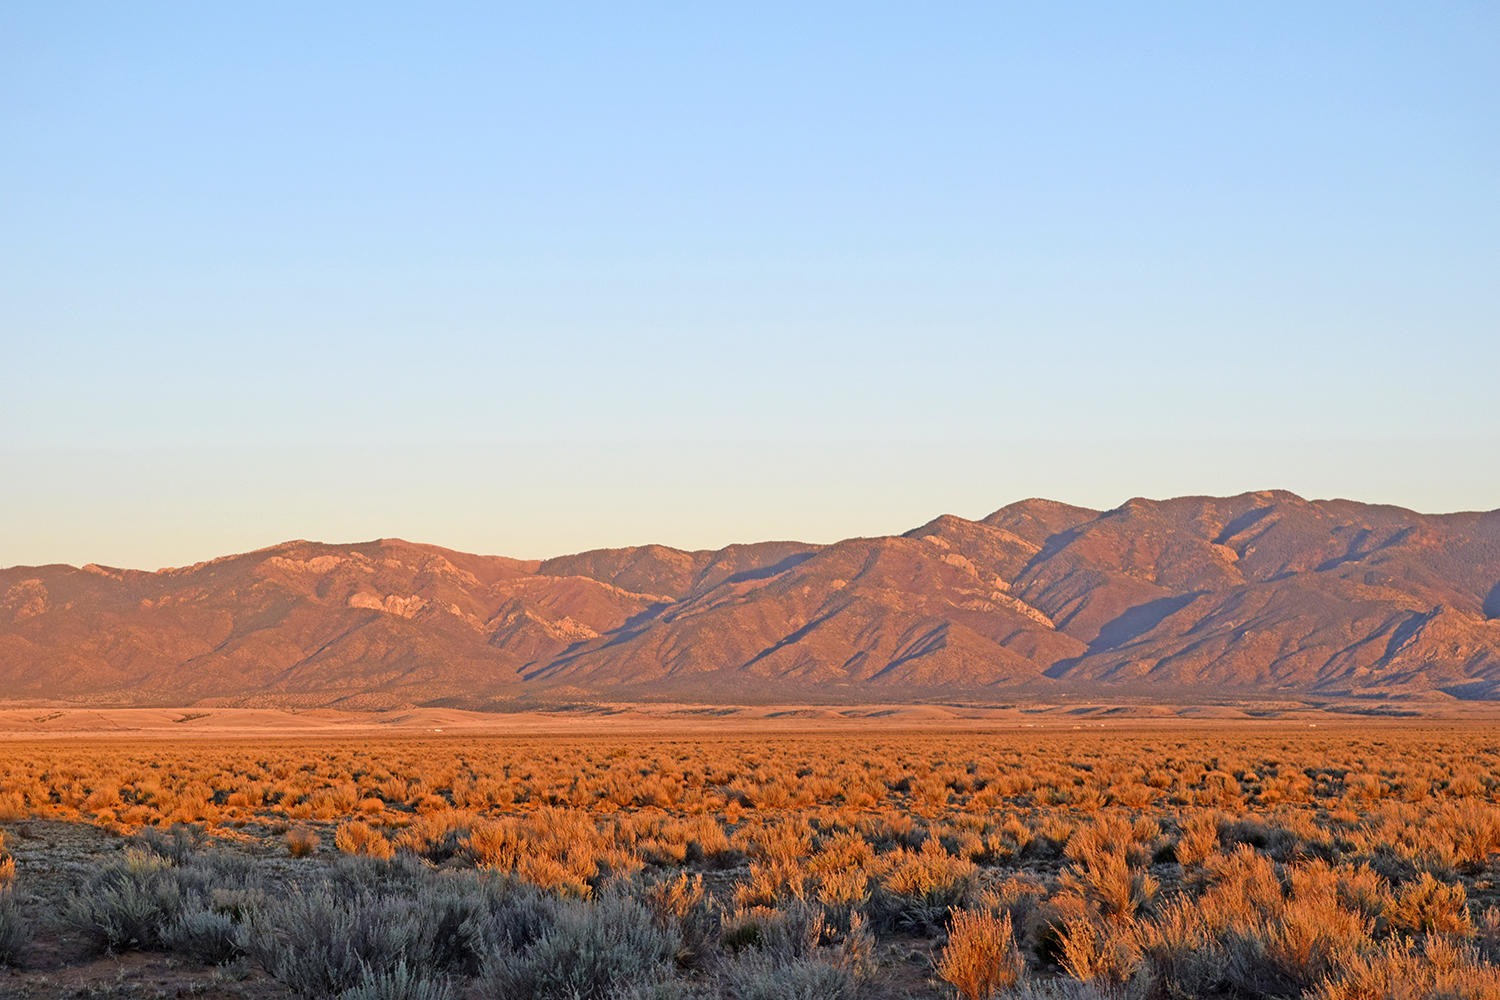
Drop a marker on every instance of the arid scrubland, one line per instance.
(1212, 862)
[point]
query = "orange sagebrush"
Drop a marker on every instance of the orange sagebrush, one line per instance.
(981, 957)
(360, 838)
(302, 842)
(1404, 968)
(1103, 953)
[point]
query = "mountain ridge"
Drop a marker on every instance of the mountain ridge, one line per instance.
(1262, 593)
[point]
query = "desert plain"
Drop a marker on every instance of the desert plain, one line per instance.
(767, 851)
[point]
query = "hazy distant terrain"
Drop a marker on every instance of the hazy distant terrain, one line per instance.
(1197, 598)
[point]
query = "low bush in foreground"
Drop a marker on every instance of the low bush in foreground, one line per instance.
(15, 930)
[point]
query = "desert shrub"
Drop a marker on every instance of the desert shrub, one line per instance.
(919, 888)
(1487, 931)
(178, 844)
(1102, 953)
(981, 955)
(519, 914)
(772, 882)
(463, 917)
(357, 837)
(1109, 883)
(1046, 923)
(590, 951)
(757, 975)
(436, 836)
(302, 842)
(666, 989)
(1362, 889)
(1426, 906)
(558, 849)
(13, 807)
(455, 917)
(791, 931)
(1244, 887)
(681, 906)
(129, 904)
(1180, 956)
(1402, 969)
(1066, 989)
(352, 874)
(1269, 838)
(857, 951)
(15, 930)
(401, 982)
(1197, 839)
(319, 942)
(204, 933)
(1293, 951)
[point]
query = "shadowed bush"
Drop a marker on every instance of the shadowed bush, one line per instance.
(1181, 957)
(203, 933)
(680, 906)
(15, 932)
(788, 932)
(1428, 906)
(129, 904)
(178, 844)
(1298, 947)
(399, 983)
(319, 943)
(760, 975)
(142, 901)
(589, 952)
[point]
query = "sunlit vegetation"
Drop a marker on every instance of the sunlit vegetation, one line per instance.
(1207, 863)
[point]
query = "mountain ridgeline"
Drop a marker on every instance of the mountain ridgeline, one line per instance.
(1199, 598)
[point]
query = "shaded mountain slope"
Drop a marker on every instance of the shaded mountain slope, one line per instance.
(1263, 593)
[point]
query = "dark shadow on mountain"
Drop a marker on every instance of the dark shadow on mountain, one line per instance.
(1051, 547)
(791, 637)
(633, 627)
(640, 618)
(1240, 523)
(1492, 604)
(928, 642)
(766, 572)
(1471, 691)
(1061, 667)
(1405, 633)
(1355, 553)
(1139, 620)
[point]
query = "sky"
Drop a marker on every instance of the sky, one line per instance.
(536, 279)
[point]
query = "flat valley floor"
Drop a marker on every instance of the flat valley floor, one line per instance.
(782, 851)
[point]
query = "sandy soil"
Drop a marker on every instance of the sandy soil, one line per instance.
(31, 722)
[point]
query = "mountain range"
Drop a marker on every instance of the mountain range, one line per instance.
(1197, 598)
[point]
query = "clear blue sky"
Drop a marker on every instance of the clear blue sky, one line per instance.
(536, 279)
